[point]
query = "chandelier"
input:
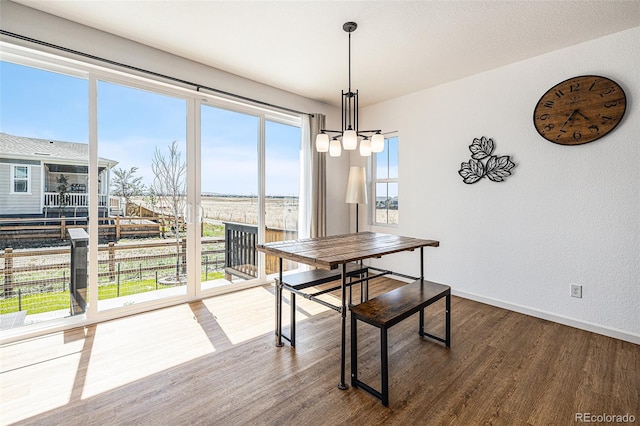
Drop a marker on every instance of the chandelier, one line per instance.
(348, 137)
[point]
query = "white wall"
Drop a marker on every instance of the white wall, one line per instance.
(568, 214)
(31, 23)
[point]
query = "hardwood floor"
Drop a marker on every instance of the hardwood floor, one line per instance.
(214, 362)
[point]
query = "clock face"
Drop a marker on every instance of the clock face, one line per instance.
(579, 110)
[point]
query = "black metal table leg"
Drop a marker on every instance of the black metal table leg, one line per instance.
(343, 313)
(279, 306)
(292, 327)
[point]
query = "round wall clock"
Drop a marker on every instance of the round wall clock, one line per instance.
(579, 110)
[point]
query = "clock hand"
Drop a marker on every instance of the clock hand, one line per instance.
(583, 116)
(570, 118)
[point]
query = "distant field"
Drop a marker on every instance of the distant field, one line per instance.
(282, 212)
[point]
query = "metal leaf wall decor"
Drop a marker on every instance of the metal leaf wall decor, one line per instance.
(494, 167)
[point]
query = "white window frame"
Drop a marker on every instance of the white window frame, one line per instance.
(14, 179)
(375, 180)
(194, 98)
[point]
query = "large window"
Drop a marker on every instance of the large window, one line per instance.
(142, 135)
(44, 125)
(158, 176)
(385, 183)
(20, 180)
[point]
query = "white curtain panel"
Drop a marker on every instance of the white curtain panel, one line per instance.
(313, 182)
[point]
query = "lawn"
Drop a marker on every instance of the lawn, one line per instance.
(51, 301)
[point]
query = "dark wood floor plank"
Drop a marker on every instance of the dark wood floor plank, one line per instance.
(503, 368)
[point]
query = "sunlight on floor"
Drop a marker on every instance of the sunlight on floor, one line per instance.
(166, 338)
(41, 374)
(49, 372)
(38, 374)
(258, 306)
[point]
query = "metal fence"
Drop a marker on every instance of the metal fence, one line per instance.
(37, 280)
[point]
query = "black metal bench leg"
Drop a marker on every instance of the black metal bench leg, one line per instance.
(421, 323)
(292, 339)
(384, 364)
(366, 287)
(354, 351)
(448, 321)
(350, 291)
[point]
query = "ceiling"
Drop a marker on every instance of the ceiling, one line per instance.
(399, 47)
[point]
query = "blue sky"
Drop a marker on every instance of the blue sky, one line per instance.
(132, 123)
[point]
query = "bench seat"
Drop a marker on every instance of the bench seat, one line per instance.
(297, 281)
(305, 279)
(389, 309)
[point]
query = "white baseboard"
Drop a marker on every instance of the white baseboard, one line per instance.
(549, 316)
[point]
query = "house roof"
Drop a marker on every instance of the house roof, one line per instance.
(47, 150)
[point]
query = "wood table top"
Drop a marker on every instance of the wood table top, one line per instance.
(332, 251)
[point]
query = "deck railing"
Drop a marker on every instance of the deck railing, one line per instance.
(80, 199)
(241, 257)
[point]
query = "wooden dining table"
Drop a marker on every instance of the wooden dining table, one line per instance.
(337, 251)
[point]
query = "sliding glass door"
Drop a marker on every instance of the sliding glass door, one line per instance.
(282, 186)
(164, 191)
(142, 253)
(43, 192)
(250, 163)
(229, 143)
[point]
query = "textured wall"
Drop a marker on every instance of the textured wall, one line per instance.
(568, 214)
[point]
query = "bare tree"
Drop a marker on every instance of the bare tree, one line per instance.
(125, 184)
(170, 185)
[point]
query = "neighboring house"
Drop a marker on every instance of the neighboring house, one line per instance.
(29, 169)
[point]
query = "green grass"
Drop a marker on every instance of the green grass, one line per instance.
(211, 230)
(51, 301)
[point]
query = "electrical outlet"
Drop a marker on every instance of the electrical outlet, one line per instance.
(576, 291)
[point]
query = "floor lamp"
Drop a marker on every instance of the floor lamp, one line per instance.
(357, 189)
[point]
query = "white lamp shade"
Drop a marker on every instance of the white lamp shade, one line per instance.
(357, 186)
(349, 140)
(377, 143)
(322, 142)
(334, 148)
(365, 148)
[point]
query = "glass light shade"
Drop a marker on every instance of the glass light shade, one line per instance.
(357, 186)
(334, 148)
(322, 142)
(365, 148)
(377, 143)
(350, 140)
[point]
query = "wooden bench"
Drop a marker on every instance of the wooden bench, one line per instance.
(388, 310)
(301, 280)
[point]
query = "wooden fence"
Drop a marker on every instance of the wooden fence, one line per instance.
(25, 230)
